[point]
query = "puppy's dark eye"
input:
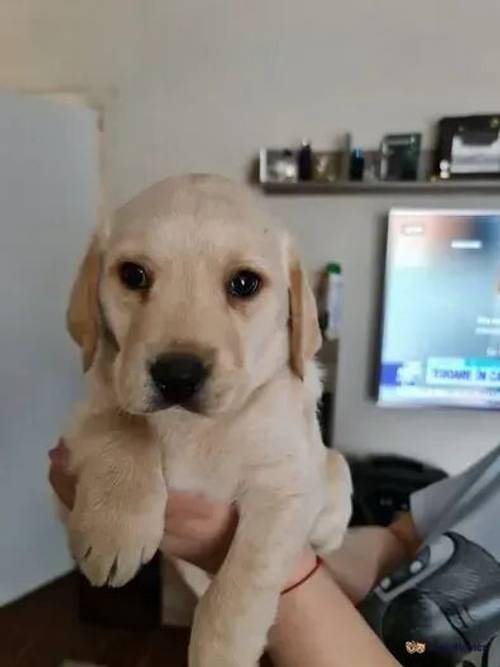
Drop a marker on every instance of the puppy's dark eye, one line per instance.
(244, 284)
(134, 276)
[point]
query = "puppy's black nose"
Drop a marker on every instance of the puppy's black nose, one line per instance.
(178, 376)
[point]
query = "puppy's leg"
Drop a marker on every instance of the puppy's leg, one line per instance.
(330, 527)
(234, 616)
(118, 517)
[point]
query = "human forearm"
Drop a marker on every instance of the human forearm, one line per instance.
(366, 555)
(317, 626)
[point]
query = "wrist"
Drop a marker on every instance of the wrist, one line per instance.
(304, 566)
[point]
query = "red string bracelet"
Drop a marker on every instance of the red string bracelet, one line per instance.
(317, 565)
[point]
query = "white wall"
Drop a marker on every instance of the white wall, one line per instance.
(202, 84)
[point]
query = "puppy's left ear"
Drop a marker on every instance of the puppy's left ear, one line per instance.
(305, 335)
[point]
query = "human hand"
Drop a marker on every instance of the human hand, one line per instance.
(197, 529)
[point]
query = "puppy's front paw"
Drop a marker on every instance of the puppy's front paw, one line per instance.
(111, 545)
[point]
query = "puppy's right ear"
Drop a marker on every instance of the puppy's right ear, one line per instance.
(305, 336)
(82, 317)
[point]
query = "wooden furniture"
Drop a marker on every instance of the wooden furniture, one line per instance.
(382, 187)
(43, 629)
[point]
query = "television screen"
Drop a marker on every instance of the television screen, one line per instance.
(441, 321)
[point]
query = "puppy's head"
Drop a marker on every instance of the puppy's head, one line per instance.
(194, 298)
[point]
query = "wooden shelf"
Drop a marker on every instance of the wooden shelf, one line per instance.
(381, 187)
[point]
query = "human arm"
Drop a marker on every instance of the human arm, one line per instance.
(318, 626)
(368, 553)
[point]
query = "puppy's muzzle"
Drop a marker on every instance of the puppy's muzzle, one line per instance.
(178, 377)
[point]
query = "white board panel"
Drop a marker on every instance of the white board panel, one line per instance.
(48, 204)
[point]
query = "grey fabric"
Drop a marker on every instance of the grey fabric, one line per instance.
(467, 504)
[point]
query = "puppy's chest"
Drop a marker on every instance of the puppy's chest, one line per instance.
(201, 459)
(222, 456)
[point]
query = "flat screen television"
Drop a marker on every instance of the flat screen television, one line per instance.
(440, 341)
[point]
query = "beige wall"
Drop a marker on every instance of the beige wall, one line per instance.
(201, 85)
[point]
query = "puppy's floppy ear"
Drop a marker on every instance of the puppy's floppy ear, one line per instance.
(82, 317)
(305, 336)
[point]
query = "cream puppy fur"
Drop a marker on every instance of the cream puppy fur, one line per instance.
(194, 268)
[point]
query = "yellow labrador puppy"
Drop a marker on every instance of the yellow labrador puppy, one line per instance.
(198, 331)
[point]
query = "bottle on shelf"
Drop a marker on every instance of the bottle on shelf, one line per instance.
(357, 165)
(333, 300)
(305, 161)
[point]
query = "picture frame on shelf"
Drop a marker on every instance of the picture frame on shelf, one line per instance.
(278, 165)
(468, 147)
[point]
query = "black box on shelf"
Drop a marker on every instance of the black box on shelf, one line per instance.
(399, 157)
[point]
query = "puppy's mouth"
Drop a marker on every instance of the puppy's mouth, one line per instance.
(158, 404)
(208, 402)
